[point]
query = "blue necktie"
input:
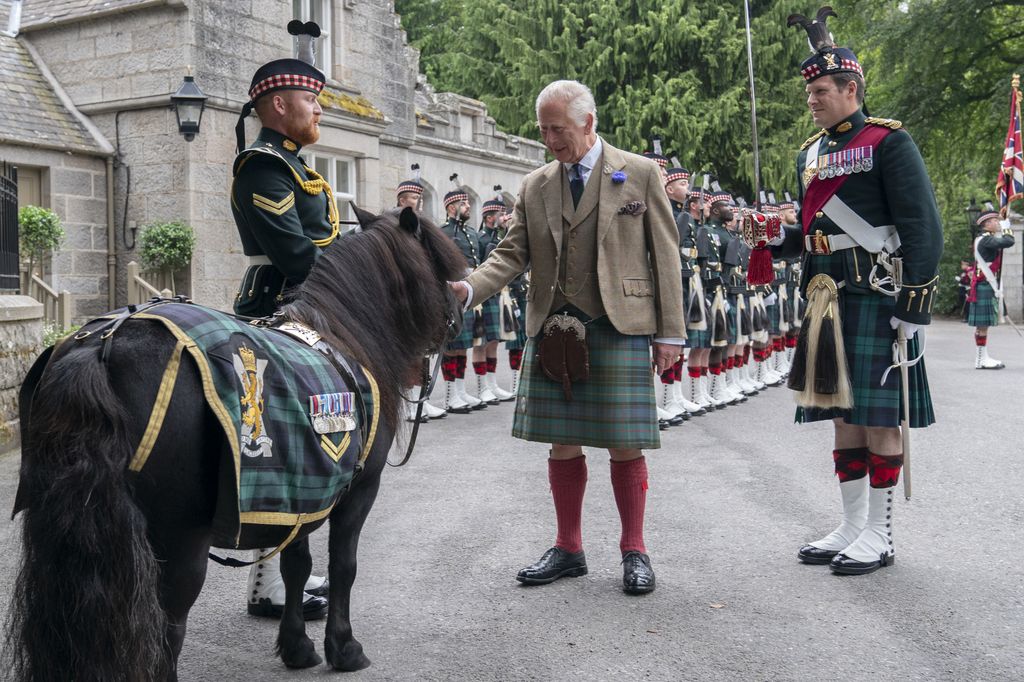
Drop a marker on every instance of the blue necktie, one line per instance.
(576, 184)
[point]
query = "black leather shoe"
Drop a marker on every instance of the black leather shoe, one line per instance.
(809, 554)
(663, 425)
(322, 591)
(844, 565)
(313, 608)
(637, 574)
(556, 563)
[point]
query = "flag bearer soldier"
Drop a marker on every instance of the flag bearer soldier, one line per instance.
(855, 174)
(749, 323)
(677, 187)
(983, 300)
(497, 310)
(410, 195)
(453, 367)
(711, 332)
(596, 228)
(285, 215)
(782, 317)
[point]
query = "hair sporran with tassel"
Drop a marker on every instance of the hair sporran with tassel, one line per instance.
(720, 329)
(696, 311)
(820, 373)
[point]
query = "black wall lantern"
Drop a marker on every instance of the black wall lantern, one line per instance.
(973, 213)
(189, 102)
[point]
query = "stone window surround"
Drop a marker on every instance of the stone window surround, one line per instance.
(332, 159)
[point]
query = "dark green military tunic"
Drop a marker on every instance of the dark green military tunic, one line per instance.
(895, 190)
(707, 259)
(285, 214)
(729, 257)
(469, 245)
(487, 241)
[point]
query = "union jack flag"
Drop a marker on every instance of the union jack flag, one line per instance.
(1010, 185)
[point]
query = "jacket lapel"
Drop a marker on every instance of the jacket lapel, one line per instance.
(551, 191)
(611, 193)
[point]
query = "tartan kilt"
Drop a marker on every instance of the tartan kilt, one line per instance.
(731, 321)
(868, 339)
(520, 342)
(983, 311)
(465, 338)
(773, 319)
(492, 319)
(613, 408)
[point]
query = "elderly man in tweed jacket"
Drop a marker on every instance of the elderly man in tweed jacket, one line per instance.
(596, 229)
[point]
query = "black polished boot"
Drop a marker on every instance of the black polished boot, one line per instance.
(637, 574)
(556, 563)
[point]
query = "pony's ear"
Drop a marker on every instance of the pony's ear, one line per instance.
(409, 221)
(365, 218)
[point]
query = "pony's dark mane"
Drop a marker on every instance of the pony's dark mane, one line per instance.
(380, 295)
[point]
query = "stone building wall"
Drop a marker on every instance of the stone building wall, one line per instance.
(74, 187)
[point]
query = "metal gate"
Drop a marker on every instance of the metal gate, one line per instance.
(9, 275)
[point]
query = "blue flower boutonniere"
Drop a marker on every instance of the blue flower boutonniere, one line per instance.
(618, 177)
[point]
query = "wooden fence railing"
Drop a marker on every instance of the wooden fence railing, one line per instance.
(56, 305)
(139, 290)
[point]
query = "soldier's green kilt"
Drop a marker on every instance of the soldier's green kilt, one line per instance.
(773, 319)
(868, 338)
(730, 317)
(465, 338)
(699, 338)
(520, 341)
(983, 312)
(492, 319)
(613, 408)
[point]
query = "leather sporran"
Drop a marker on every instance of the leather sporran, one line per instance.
(562, 351)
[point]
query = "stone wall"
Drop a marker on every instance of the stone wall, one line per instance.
(21, 339)
(1013, 272)
(74, 187)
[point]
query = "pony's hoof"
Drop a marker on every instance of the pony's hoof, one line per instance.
(347, 658)
(301, 654)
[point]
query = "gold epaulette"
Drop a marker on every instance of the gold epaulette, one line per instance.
(886, 122)
(812, 138)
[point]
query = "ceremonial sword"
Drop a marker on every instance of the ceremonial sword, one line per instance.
(904, 359)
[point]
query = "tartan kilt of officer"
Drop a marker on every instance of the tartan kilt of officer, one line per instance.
(613, 408)
(868, 340)
(983, 311)
(465, 338)
(492, 319)
(520, 340)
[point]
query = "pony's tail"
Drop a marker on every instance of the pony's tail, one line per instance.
(85, 604)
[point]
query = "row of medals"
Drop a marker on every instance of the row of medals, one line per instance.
(852, 161)
(332, 412)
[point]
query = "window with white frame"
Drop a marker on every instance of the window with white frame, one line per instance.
(320, 12)
(340, 174)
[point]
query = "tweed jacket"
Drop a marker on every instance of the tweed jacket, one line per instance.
(638, 266)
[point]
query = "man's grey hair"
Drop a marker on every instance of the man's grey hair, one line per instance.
(577, 96)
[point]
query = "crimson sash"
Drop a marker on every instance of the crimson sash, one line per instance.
(819, 191)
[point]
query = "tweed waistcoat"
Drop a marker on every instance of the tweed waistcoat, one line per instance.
(577, 272)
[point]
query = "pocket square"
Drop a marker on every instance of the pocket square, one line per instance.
(633, 208)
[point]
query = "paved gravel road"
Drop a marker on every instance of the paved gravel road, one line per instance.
(733, 494)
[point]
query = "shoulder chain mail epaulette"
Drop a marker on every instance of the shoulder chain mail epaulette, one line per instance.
(887, 122)
(812, 138)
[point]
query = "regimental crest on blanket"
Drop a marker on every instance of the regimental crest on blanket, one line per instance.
(254, 439)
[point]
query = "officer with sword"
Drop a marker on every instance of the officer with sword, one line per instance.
(870, 237)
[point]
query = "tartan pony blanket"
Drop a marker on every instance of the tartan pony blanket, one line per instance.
(298, 430)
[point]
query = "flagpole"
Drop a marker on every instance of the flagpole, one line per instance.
(753, 108)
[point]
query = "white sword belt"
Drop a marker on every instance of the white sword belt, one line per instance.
(856, 232)
(259, 260)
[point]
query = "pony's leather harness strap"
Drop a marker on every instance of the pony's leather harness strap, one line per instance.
(114, 322)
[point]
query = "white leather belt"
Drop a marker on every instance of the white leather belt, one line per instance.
(871, 238)
(259, 260)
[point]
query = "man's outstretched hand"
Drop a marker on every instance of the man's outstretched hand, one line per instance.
(665, 355)
(461, 291)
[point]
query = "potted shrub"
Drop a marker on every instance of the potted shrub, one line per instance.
(39, 232)
(167, 248)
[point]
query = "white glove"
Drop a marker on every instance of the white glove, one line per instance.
(727, 305)
(777, 241)
(771, 299)
(909, 330)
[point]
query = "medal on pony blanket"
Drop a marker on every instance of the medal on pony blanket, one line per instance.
(332, 412)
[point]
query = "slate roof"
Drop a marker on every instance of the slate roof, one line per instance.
(38, 13)
(30, 112)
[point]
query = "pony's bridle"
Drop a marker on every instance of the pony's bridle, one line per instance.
(453, 327)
